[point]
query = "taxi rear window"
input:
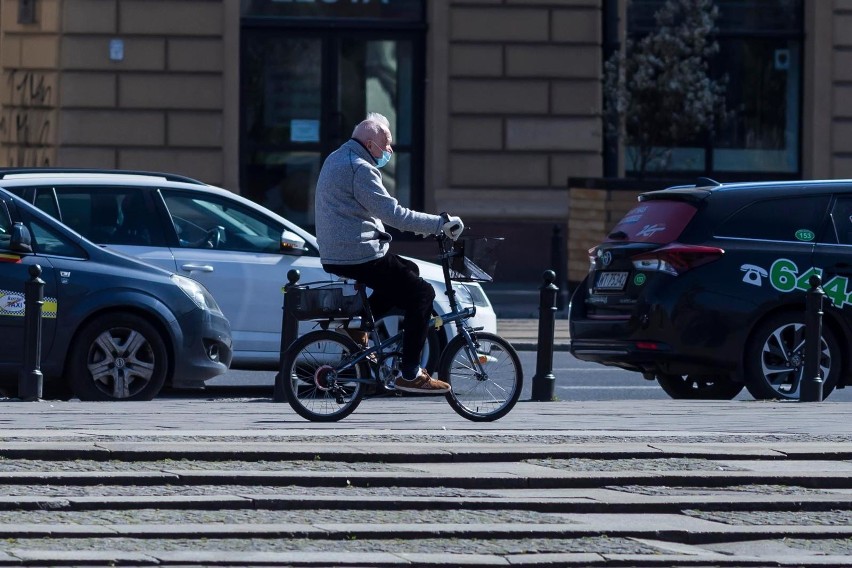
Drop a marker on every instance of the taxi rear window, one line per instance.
(657, 222)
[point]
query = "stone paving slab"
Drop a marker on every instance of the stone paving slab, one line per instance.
(718, 560)
(509, 475)
(120, 502)
(663, 420)
(411, 452)
(671, 528)
(82, 558)
(561, 501)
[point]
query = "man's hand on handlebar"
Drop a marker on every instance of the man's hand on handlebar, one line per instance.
(453, 227)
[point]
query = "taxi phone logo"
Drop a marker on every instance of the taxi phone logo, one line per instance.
(754, 275)
(12, 304)
(785, 276)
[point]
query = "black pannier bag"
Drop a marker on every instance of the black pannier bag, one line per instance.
(323, 300)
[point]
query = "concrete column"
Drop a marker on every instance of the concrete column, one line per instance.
(818, 63)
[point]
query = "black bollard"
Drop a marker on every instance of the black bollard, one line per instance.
(543, 382)
(289, 333)
(30, 379)
(810, 389)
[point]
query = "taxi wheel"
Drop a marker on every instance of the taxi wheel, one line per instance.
(118, 357)
(700, 387)
(775, 358)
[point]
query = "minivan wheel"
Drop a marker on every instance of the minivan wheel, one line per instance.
(118, 357)
(775, 358)
(699, 387)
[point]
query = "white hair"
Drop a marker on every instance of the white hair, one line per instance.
(380, 118)
(375, 127)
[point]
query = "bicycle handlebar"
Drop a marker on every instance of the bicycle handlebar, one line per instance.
(445, 218)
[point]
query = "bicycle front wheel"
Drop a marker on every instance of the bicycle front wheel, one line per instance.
(314, 387)
(486, 376)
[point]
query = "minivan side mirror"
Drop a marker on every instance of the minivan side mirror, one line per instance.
(21, 240)
(293, 244)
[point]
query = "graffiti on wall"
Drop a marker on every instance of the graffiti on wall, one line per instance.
(26, 121)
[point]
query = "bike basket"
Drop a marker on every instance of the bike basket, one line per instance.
(474, 259)
(337, 300)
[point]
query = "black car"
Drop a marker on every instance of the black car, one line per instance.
(703, 288)
(113, 327)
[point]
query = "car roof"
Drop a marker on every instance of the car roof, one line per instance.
(705, 187)
(77, 173)
(715, 186)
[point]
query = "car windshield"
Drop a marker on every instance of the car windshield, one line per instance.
(195, 217)
(658, 222)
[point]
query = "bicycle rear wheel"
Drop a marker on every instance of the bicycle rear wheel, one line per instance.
(313, 388)
(487, 395)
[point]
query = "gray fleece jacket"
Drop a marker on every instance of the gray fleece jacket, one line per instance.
(352, 207)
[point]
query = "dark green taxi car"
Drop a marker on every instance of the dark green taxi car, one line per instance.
(702, 288)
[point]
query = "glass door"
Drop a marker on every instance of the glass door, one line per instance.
(302, 94)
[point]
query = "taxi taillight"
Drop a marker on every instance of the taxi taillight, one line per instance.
(676, 258)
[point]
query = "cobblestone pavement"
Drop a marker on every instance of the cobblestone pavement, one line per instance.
(242, 483)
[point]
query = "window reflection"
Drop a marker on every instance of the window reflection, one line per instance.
(760, 54)
(289, 182)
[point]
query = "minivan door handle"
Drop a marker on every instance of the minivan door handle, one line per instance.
(197, 267)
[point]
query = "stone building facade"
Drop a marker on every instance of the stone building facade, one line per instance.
(511, 102)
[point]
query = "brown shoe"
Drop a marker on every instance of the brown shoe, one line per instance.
(423, 383)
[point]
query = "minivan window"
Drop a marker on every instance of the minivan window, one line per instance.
(791, 219)
(197, 220)
(45, 199)
(112, 216)
(658, 221)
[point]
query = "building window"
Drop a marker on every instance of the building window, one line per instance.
(311, 71)
(760, 53)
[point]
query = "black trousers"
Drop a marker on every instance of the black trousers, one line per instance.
(396, 282)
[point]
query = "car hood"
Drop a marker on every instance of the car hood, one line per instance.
(116, 257)
(428, 270)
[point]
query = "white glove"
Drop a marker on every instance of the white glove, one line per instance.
(453, 228)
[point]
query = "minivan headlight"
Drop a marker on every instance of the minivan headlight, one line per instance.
(471, 294)
(197, 293)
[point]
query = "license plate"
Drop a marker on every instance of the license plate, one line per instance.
(611, 280)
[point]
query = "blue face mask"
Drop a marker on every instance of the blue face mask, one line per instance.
(382, 162)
